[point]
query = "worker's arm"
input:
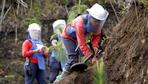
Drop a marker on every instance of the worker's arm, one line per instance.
(81, 37)
(95, 39)
(26, 49)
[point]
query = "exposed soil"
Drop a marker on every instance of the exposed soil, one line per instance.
(126, 55)
(79, 77)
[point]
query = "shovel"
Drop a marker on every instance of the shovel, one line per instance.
(80, 66)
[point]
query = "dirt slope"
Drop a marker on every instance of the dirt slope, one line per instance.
(78, 78)
(126, 55)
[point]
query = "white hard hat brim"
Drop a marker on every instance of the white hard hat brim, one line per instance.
(103, 18)
(34, 26)
(59, 22)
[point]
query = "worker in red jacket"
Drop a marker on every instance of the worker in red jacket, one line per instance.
(35, 53)
(83, 27)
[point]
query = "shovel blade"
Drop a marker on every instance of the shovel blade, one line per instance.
(78, 67)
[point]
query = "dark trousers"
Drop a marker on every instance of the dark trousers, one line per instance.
(55, 67)
(34, 73)
(73, 54)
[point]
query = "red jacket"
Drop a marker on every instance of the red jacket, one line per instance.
(78, 24)
(27, 52)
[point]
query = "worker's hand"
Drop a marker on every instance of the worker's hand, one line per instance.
(45, 51)
(37, 51)
(94, 60)
(39, 48)
(96, 52)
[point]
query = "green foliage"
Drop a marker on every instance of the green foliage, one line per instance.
(91, 2)
(65, 2)
(61, 55)
(46, 8)
(99, 74)
(28, 21)
(36, 10)
(60, 51)
(124, 9)
(102, 2)
(75, 10)
(145, 2)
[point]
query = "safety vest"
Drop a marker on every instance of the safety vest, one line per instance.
(39, 56)
(88, 27)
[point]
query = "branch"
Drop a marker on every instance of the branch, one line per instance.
(18, 7)
(66, 10)
(16, 37)
(2, 13)
(7, 11)
(22, 3)
(114, 10)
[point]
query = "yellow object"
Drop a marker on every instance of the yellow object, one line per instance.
(47, 49)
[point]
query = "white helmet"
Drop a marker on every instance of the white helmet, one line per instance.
(35, 35)
(34, 26)
(59, 25)
(98, 12)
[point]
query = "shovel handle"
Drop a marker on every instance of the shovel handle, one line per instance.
(85, 60)
(90, 45)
